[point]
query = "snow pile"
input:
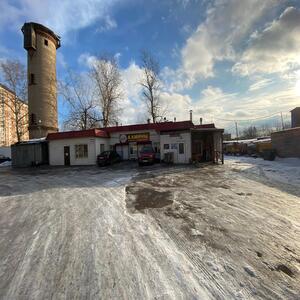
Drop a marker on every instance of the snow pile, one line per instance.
(6, 164)
(284, 170)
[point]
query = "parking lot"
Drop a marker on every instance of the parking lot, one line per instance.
(157, 232)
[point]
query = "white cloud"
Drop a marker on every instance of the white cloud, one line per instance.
(218, 106)
(176, 105)
(133, 108)
(61, 16)
(131, 77)
(260, 84)
(276, 49)
(226, 26)
(109, 24)
(214, 105)
(176, 80)
(227, 23)
(86, 59)
(61, 59)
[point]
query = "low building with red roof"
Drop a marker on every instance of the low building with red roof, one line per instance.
(184, 140)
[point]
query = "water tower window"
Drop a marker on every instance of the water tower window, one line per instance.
(32, 119)
(46, 42)
(31, 79)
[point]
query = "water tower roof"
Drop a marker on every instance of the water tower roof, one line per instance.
(42, 28)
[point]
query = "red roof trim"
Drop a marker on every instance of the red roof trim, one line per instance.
(77, 134)
(104, 132)
(212, 125)
(150, 126)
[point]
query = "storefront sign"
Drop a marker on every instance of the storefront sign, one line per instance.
(134, 137)
(138, 137)
(123, 138)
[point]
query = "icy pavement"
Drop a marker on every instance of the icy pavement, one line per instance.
(150, 233)
(284, 172)
(5, 164)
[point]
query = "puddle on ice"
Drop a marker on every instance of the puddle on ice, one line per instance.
(283, 268)
(148, 198)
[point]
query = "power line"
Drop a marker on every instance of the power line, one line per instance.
(248, 120)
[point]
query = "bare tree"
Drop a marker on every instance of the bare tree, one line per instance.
(107, 78)
(80, 96)
(14, 76)
(265, 129)
(250, 132)
(151, 86)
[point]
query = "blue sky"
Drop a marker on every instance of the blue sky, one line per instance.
(224, 59)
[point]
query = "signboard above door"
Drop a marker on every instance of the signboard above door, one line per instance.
(138, 137)
(135, 137)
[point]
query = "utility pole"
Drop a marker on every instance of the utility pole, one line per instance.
(236, 131)
(282, 121)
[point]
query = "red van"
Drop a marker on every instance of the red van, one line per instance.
(146, 155)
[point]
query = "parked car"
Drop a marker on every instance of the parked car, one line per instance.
(146, 155)
(4, 159)
(108, 158)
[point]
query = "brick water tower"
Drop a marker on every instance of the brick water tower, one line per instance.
(41, 44)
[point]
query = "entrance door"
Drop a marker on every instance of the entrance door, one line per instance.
(133, 151)
(67, 155)
(181, 153)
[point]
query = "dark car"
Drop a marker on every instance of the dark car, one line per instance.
(4, 159)
(147, 155)
(108, 158)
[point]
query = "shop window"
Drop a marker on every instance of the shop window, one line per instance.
(45, 42)
(166, 146)
(101, 148)
(81, 151)
(181, 148)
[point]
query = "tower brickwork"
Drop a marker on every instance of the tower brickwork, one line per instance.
(41, 44)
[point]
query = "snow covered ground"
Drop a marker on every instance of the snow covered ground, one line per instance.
(281, 171)
(214, 232)
(5, 164)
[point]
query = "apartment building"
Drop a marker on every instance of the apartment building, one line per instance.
(8, 133)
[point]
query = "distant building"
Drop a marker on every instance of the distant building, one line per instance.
(295, 114)
(227, 136)
(286, 143)
(8, 134)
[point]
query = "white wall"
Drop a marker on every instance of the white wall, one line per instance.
(100, 141)
(56, 151)
(218, 141)
(184, 137)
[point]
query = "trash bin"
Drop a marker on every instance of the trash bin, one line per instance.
(269, 154)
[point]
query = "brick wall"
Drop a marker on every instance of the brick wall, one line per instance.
(287, 142)
(295, 114)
